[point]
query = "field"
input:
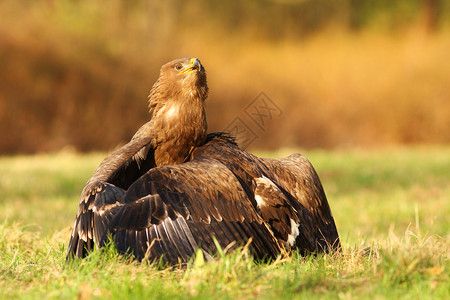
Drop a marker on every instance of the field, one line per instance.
(391, 207)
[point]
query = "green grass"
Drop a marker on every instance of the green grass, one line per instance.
(391, 207)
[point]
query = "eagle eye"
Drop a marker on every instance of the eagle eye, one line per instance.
(178, 67)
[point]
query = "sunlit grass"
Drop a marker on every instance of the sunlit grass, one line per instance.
(42, 191)
(405, 266)
(391, 208)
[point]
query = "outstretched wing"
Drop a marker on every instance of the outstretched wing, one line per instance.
(286, 192)
(223, 193)
(227, 194)
(171, 211)
(95, 212)
(299, 182)
(106, 188)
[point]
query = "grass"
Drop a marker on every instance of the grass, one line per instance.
(391, 207)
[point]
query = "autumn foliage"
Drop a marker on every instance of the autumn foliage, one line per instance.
(351, 73)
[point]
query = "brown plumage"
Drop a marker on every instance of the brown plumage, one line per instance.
(177, 126)
(177, 189)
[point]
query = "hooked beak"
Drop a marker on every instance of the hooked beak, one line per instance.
(194, 67)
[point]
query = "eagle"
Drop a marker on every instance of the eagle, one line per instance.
(174, 190)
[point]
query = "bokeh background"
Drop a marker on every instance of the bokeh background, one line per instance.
(344, 73)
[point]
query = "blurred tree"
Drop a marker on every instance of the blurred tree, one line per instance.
(65, 62)
(431, 9)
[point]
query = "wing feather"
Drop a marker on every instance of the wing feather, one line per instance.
(301, 185)
(188, 242)
(94, 215)
(298, 195)
(106, 188)
(207, 201)
(223, 193)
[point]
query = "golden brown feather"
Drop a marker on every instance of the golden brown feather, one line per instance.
(177, 125)
(173, 189)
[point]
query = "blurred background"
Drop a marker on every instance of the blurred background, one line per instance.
(342, 73)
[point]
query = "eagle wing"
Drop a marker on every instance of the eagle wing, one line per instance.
(288, 194)
(230, 195)
(172, 211)
(104, 191)
(94, 214)
(224, 196)
(300, 184)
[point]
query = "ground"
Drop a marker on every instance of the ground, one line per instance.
(391, 208)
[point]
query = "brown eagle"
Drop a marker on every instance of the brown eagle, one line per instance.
(173, 189)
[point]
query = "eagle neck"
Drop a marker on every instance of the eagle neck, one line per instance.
(181, 127)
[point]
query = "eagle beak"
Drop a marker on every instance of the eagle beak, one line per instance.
(194, 67)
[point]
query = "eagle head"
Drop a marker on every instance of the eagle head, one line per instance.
(181, 78)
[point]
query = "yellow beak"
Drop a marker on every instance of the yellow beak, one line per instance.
(194, 67)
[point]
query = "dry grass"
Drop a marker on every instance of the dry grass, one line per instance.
(406, 267)
(391, 208)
